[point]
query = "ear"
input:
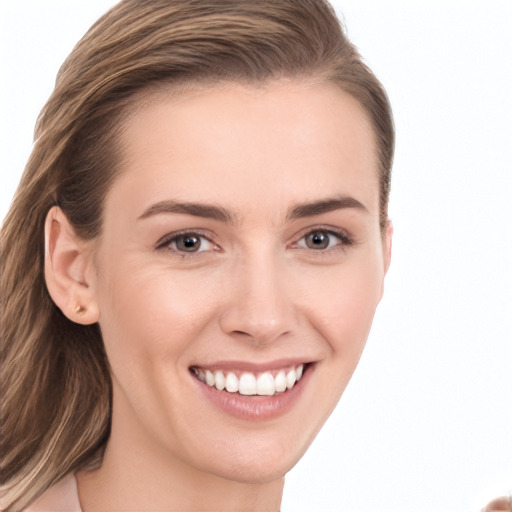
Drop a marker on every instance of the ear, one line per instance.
(68, 269)
(387, 238)
(387, 243)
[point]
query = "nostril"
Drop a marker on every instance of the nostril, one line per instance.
(261, 337)
(257, 319)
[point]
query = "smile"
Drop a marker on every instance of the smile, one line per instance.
(266, 383)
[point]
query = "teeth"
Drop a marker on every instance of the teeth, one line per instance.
(198, 374)
(265, 384)
(231, 383)
(280, 382)
(247, 384)
(220, 380)
(210, 379)
(291, 378)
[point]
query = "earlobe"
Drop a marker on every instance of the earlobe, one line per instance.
(68, 269)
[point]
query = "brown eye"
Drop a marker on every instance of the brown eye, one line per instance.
(188, 243)
(318, 240)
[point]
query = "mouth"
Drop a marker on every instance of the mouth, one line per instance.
(254, 392)
(247, 383)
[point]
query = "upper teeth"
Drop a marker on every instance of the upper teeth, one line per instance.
(266, 383)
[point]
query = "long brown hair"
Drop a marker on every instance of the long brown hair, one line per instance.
(55, 381)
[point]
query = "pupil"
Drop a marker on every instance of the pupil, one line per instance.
(318, 240)
(188, 243)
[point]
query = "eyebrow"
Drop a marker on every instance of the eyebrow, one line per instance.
(219, 213)
(207, 211)
(324, 206)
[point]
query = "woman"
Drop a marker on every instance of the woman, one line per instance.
(193, 258)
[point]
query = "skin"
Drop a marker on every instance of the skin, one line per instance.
(499, 504)
(254, 292)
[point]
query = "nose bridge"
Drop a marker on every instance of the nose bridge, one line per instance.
(260, 307)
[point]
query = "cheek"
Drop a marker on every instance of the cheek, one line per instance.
(149, 314)
(342, 314)
(152, 324)
(342, 304)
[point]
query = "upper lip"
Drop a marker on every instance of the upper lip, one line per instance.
(252, 366)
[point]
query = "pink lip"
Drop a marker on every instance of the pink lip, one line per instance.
(255, 408)
(245, 366)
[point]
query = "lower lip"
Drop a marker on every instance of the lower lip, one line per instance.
(255, 408)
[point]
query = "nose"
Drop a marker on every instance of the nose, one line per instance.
(259, 308)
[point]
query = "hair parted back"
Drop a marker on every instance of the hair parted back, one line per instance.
(55, 381)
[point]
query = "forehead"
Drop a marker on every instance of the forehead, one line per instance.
(283, 141)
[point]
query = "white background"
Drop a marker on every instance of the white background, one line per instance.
(426, 423)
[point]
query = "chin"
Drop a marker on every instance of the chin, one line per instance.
(254, 470)
(255, 459)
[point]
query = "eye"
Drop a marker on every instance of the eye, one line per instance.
(189, 242)
(323, 239)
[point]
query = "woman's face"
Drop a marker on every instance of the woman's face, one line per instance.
(241, 245)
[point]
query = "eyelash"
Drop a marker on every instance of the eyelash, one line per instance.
(172, 238)
(342, 237)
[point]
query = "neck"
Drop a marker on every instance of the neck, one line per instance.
(137, 475)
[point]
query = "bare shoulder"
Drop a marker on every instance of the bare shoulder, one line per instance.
(61, 497)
